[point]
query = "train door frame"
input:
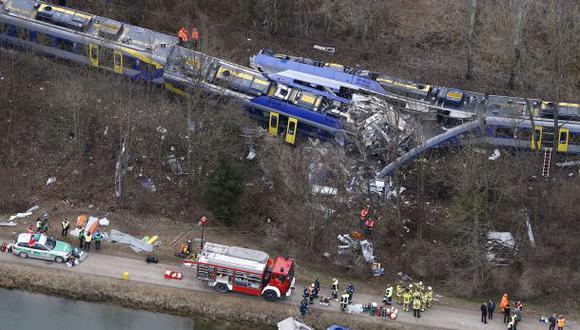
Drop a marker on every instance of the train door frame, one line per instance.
(536, 140)
(563, 145)
(274, 118)
(94, 55)
(291, 131)
(118, 61)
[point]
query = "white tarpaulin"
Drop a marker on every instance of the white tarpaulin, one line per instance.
(136, 244)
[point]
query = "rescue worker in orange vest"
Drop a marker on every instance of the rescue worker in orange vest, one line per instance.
(182, 35)
(363, 215)
(504, 306)
(561, 322)
(194, 38)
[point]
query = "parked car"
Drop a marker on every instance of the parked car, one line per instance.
(43, 247)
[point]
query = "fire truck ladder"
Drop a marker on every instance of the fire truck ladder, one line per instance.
(547, 162)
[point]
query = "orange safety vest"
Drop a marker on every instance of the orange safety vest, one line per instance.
(504, 303)
(194, 34)
(182, 34)
(363, 213)
(561, 322)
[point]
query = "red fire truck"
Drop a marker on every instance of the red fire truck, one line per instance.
(232, 268)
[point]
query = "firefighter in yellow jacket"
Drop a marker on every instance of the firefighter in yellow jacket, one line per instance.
(423, 300)
(406, 300)
(399, 293)
(429, 296)
(344, 300)
(417, 304)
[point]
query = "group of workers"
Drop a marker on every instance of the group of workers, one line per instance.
(416, 296)
(184, 37)
(366, 222)
(86, 237)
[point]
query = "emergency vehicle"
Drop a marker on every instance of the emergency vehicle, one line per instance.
(232, 268)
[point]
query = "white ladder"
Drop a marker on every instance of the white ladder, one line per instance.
(547, 162)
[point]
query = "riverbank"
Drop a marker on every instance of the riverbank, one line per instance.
(249, 312)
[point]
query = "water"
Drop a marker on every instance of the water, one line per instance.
(24, 310)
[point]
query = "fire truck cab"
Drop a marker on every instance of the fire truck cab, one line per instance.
(232, 268)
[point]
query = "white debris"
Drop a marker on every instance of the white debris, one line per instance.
(367, 251)
(251, 153)
(495, 155)
(50, 180)
(324, 190)
(161, 130)
(103, 222)
(8, 224)
(291, 324)
(325, 49)
(32, 209)
(568, 164)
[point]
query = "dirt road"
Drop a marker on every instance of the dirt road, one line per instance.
(440, 316)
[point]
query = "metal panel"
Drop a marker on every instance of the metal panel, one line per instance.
(291, 130)
(274, 123)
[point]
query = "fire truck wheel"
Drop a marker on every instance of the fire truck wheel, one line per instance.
(270, 295)
(221, 287)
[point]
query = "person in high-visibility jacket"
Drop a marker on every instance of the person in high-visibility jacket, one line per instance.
(194, 38)
(344, 300)
(334, 288)
(65, 226)
(561, 322)
(406, 299)
(504, 305)
(423, 300)
(88, 239)
(388, 299)
(399, 293)
(429, 296)
(417, 304)
(182, 35)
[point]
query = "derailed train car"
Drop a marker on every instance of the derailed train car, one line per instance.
(142, 54)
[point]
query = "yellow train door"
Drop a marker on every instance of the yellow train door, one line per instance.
(118, 62)
(563, 137)
(536, 142)
(94, 55)
(291, 130)
(274, 123)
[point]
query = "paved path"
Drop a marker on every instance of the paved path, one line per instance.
(440, 316)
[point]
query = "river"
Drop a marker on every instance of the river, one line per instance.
(25, 310)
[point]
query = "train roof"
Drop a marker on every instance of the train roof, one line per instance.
(79, 22)
(234, 257)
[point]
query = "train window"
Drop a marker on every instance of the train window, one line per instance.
(64, 44)
(43, 39)
(291, 128)
(129, 62)
(107, 57)
(563, 137)
(504, 132)
(146, 67)
(574, 139)
(22, 33)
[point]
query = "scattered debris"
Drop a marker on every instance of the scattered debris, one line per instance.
(28, 212)
(8, 224)
(121, 166)
(323, 190)
(251, 154)
(147, 184)
(495, 155)
(291, 324)
(171, 275)
(103, 222)
(568, 163)
(173, 163)
(325, 49)
(135, 244)
(367, 251)
(528, 224)
(501, 247)
(404, 277)
(50, 180)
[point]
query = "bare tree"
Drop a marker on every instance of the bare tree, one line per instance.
(516, 41)
(473, 11)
